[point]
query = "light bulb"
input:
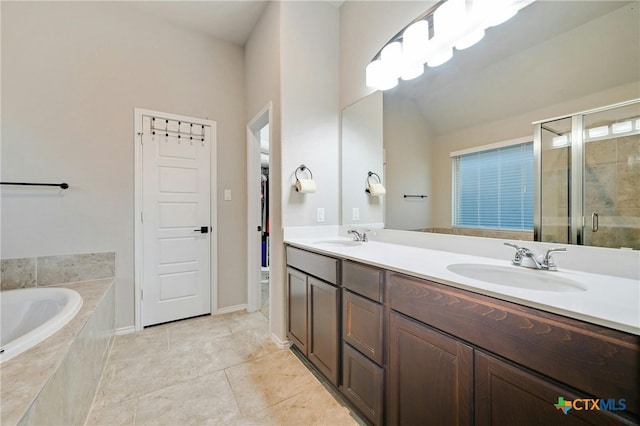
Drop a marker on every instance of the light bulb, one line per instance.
(415, 42)
(391, 57)
(374, 73)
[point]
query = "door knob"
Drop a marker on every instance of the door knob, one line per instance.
(203, 229)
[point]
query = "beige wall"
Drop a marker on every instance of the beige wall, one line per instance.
(362, 152)
(72, 74)
(292, 61)
(408, 161)
(310, 110)
(262, 79)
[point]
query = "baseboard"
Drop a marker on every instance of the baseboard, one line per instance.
(230, 309)
(125, 330)
(282, 344)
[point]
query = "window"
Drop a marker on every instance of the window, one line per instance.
(493, 189)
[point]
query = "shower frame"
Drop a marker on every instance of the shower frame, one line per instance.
(576, 175)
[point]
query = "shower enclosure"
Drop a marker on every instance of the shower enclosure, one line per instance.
(588, 172)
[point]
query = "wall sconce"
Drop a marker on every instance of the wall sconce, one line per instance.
(305, 186)
(430, 38)
(374, 189)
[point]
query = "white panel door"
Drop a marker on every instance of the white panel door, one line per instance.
(176, 180)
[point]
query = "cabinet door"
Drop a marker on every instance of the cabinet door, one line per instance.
(362, 325)
(297, 320)
(430, 376)
(324, 335)
(363, 384)
(509, 395)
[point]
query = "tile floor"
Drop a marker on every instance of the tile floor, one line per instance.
(221, 370)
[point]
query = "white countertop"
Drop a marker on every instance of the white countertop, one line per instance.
(608, 301)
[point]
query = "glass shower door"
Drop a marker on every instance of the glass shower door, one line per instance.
(555, 157)
(588, 174)
(612, 177)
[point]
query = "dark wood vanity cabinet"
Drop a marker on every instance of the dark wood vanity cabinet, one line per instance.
(409, 351)
(516, 361)
(430, 376)
(324, 328)
(313, 309)
(297, 309)
(363, 335)
(506, 394)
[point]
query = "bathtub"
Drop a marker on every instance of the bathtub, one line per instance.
(30, 315)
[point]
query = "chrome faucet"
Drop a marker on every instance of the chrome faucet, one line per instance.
(527, 258)
(357, 236)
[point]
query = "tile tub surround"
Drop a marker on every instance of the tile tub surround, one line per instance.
(54, 381)
(220, 369)
(53, 270)
(17, 273)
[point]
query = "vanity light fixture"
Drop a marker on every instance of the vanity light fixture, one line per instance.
(431, 38)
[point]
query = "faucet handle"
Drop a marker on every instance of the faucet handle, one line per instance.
(357, 236)
(517, 258)
(548, 258)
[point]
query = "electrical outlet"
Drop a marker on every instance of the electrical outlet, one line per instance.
(227, 195)
(320, 214)
(355, 214)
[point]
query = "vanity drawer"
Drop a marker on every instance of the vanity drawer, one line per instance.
(363, 384)
(364, 280)
(323, 267)
(362, 325)
(594, 359)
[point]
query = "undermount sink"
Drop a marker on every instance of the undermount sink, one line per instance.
(516, 277)
(338, 243)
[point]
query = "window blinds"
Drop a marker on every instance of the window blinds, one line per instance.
(493, 189)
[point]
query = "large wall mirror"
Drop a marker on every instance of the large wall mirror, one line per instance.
(553, 59)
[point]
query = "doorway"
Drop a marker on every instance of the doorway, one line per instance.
(175, 213)
(258, 192)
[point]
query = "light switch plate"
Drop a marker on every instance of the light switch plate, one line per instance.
(355, 214)
(227, 195)
(320, 214)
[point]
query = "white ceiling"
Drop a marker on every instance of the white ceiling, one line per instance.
(230, 21)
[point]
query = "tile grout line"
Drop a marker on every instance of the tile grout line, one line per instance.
(234, 394)
(104, 369)
(241, 415)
